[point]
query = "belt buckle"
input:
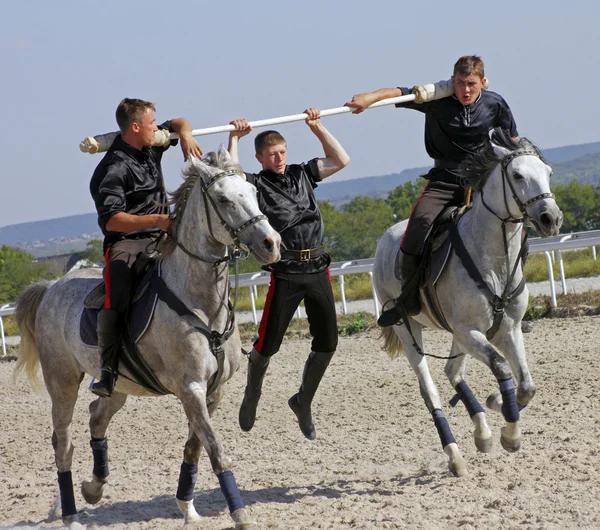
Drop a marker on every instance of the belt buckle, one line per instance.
(305, 254)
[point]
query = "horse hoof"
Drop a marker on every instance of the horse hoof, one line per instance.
(242, 522)
(511, 446)
(494, 401)
(246, 526)
(72, 522)
(92, 491)
(484, 445)
(456, 463)
(511, 443)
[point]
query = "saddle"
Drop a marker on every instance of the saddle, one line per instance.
(438, 247)
(137, 321)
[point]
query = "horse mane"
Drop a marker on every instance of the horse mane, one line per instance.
(178, 198)
(477, 167)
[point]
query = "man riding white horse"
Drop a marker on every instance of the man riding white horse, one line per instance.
(455, 127)
(129, 192)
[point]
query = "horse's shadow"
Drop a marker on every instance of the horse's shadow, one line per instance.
(210, 503)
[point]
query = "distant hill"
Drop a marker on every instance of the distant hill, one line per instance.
(61, 235)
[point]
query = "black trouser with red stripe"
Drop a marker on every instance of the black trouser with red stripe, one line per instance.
(286, 291)
(118, 272)
(435, 198)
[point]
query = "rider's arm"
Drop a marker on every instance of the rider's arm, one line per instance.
(336, 157)
(361, 101)
(242, 129)
(189, 145)
(126, 222)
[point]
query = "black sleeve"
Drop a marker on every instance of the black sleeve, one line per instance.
(421, 107)
(505, 119)
(311, 169)
(251, 178)
(110, 196)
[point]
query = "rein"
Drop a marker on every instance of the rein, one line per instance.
(216, 339)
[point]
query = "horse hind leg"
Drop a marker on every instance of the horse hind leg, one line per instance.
(429, 392)
(101, 412)
(63, 394)
(188, 472)
(455, 371)
(194, 404)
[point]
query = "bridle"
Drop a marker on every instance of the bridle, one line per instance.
(233, 232)
(507, 181)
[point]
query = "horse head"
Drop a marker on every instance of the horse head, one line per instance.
(226, 206)
(514, 180)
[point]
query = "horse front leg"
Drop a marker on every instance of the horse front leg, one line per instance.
(455, 371)
(193, 398)
(477, 344)
(188, 472)
(101, 412)
(430, 395)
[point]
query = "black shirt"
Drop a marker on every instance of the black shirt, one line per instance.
(289, 202)
(453, 130)
(129, 180)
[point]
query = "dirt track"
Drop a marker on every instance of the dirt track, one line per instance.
(377, 462)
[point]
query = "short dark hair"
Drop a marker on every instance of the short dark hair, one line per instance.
(469, 64)
(266, 139)
(131, 110)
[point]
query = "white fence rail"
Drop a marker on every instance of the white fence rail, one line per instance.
(548, 246)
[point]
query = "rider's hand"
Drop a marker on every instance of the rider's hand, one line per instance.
(163, 221)
(189, 146)
(359, 102)
(242, 128)
(314, 116)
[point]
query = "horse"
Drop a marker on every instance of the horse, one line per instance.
(214, 207)
(481, 290)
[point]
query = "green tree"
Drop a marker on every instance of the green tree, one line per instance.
(579, 204)
(354, 231)
(93, 252)
(403, 198)
(17, 270)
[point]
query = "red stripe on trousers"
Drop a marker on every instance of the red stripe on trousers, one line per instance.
(106, 280)
(329, 276)
(413, 211)
(265, 316)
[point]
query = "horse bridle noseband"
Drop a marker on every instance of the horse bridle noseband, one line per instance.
(233, 232)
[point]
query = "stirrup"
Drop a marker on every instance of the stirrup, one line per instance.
(105, 386)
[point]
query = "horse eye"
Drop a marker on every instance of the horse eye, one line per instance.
(221, 199)
(517, 176)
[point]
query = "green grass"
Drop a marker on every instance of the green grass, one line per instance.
(577, 264)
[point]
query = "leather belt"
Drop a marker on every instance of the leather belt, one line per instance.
(446, 164)
(303, 255)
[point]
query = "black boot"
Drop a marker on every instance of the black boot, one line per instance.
(109, 338)
(257, 368)
(410, 298)
(300, 403)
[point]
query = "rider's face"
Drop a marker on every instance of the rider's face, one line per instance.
(146, 127)
(467, 87)
(273, 157)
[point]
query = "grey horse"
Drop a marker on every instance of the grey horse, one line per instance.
(214, 207)
(483, 304)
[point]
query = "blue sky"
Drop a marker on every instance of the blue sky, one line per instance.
(66, 65)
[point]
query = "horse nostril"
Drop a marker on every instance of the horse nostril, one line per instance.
(546, 220)
(269, 244)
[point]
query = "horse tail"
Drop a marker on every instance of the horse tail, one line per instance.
(391, 343)
(26, 312)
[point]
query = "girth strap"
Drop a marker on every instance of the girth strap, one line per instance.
(498, 303)
(215, 339)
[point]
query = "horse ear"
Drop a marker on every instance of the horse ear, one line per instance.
(500, 152)
(223, 154)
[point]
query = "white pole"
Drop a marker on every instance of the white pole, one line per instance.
(100, 143)
(551, 278)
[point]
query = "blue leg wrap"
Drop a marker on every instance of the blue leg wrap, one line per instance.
(188, 474)
(443, 429)
(230, 491)
(468, 398)
(100, 452)
(67, 499)
(510, 409)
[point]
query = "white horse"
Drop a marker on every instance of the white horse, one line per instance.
(215, 207)
(482, 303)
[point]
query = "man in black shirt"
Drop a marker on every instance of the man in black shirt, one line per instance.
(129, 193)
(455, 127)
(286, 197)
